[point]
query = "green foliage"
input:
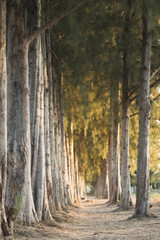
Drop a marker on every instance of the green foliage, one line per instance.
(155, 179)
(88, 48)
(17, 204)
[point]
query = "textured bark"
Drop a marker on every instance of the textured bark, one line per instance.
(63, 147)
(35, 90)
(101, 182)
(76, 179)
(39, 109)
(142, 197)
(110, 158)
(48, 124)
(19, 197)
(40, 176)
(19, 194)
(4, 227)
(72, 164)
(69, 193)
(115, 163)
(107, 180)
(119, 184)
(53, 141)
(32, 21)
(55, 166)
(59, 157)
(125, 172)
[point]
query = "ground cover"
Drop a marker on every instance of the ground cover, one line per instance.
(95, 219)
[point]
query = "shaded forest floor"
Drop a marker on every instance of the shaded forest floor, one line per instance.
(93, 219)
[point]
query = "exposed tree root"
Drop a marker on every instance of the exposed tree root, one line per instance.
(121, 209)
(52, 223)
(142, 216)
(61, 216)
(110, 203)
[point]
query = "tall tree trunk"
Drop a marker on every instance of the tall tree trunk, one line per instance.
(53, 140)
(63, 145)
(125, 173)
(82, 190)
(110, 158)
(4, 228)
(115, 163)
(119, 184)
(48, 124)
(125, 201)
(142, 197)
(33, 21)
(40, 175)
(19, 193)
(56, 169)
(101, 182)
(72, 163)
(110, 143)
(76, 179)
(107, 180)
(69, 193)
(60, 166)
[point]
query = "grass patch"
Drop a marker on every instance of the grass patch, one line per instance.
(154, 194)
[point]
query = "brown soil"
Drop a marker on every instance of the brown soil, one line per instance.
(93, 219)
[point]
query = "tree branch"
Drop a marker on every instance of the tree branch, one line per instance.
(33, 35)
(152, 85)
(154, 72)
(156, 46)
(134, 114)
(136, 88)
(154, 99)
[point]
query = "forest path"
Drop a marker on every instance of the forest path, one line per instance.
(93, 219)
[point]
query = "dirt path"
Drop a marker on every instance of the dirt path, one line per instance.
(95, 220)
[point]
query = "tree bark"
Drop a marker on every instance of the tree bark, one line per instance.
(48, 124)
(110, 159)
(125, 173)
(69, 193)
(60, 166)
(107, 180)
(4, 227)
(19, 194)
(115, 163)
(76, 179)
(63, 144)
(32, 21)
(125, 201)
(142, 197)
(72, 163)
(101, 182)
(56, 169)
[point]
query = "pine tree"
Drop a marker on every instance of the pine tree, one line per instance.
(142, 197)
